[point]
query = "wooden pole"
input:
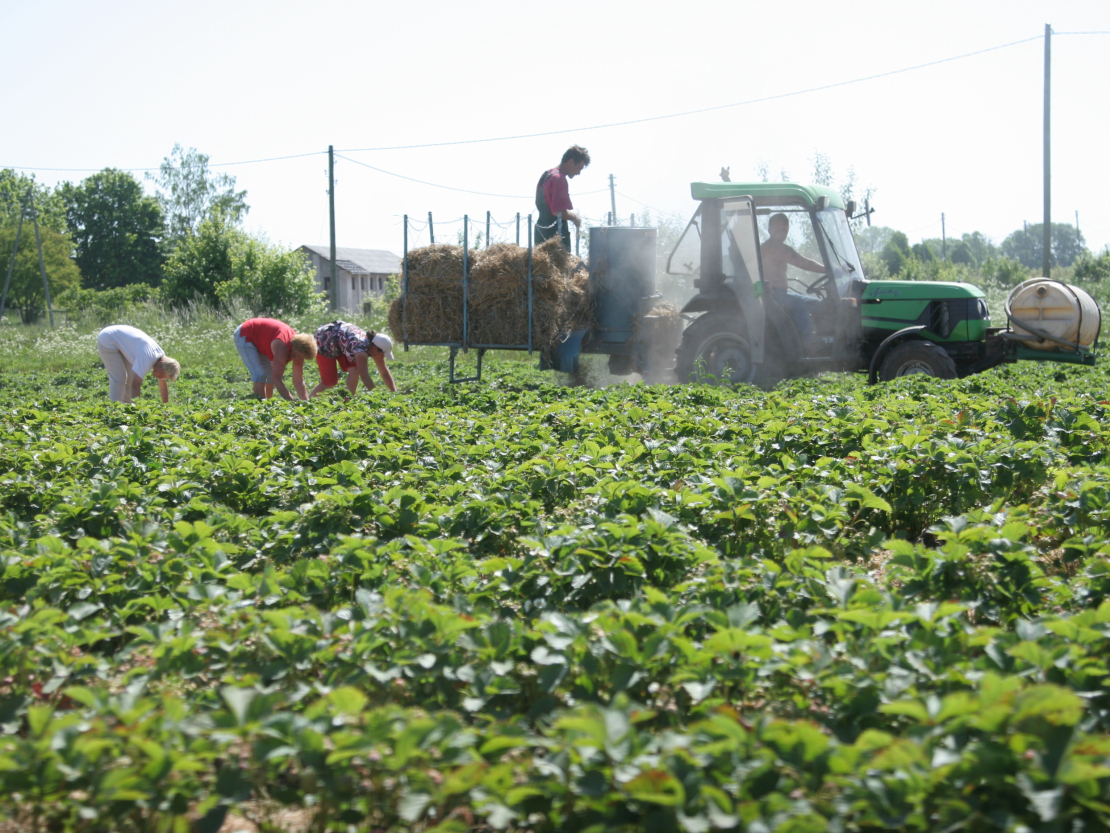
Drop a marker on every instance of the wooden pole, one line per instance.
(334, 295)
(1047, 244)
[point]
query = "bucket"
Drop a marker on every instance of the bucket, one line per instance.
(1057, 315)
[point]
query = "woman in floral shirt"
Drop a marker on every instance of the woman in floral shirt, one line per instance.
(343, 346)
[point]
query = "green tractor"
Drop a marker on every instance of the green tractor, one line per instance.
(798, 302)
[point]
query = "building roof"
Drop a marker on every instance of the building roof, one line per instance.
(367, 261)
(352, 267)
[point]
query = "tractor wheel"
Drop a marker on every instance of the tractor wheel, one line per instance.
(917, 356)
(715, 349)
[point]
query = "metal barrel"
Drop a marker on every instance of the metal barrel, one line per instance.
(622, 271)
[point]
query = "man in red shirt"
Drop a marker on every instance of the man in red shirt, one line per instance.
(266, 345)
(553, 196)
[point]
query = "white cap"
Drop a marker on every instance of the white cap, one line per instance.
(385, 344)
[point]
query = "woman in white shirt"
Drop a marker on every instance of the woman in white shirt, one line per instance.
(129, 354)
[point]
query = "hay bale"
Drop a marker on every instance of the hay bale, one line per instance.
(497, 295)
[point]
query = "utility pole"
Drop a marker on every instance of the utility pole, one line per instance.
(334, 294)
(943, 239)
(1047, 244)
(613, 195)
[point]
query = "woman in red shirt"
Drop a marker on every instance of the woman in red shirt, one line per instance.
(266, 345)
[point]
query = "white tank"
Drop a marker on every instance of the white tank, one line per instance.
(1057, 309)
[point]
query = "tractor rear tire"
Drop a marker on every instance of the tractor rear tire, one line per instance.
(715, 349)
(915, 357)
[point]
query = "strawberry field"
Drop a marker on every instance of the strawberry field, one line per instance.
(523, 606)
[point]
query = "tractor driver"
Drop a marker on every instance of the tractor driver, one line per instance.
(776, 257)
(553, 196)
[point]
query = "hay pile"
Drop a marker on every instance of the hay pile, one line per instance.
(498, 295)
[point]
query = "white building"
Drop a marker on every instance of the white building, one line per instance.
(360, 273)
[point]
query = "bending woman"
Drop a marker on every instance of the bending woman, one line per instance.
(128, 355)
(343, 346)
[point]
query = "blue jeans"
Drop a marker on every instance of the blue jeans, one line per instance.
(798, 307)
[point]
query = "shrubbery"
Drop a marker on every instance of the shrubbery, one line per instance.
(221, 264)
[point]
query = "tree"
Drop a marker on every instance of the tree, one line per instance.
(1026, 245)
(960, 252)
(1091, 268)
(221, 263)
(189, 193)
(981, 247)
(873, 238)
(896, 252)
(923, 252)
(116, 229)
(13, 192)
(26, 293)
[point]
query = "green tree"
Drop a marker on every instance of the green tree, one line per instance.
(981, 246)
(189, 193)
(923, 252)
(896, 252)
(1091, 268)
(960, 252)
(116, 229)
(26, 293)
(48, 203)
(1027, 244)
(221, 263)
(873, 238)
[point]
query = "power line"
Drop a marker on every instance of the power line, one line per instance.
(681, 114)
(709, 109)
(174, 167)
(432, 184)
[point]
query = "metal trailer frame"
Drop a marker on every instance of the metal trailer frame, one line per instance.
(465, 345)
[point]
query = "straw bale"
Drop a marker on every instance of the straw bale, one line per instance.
(497, 295)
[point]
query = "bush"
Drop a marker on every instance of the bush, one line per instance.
(1004, 271)
(1091, 268)
(221, 264)
(935, 270)
(105, 305)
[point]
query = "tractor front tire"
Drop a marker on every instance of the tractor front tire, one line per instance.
(917, 356)
(715, 349)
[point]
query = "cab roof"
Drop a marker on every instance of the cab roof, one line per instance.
(765, 192)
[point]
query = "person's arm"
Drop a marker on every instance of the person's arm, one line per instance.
(383, 371)
(363, 367)
(572, 217)
(281, 358)
(795, 259)
(164, 389)
(298, 378)
(136, 385)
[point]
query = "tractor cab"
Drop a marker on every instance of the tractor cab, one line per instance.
(779, 282)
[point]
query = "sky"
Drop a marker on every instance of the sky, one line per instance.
(117, 83)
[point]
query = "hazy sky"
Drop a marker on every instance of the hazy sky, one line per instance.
(116, 83)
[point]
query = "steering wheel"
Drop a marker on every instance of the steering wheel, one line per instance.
(821, 281)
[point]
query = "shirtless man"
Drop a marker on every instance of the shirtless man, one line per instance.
(776, 257)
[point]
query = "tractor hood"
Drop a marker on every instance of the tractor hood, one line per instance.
(919, 290)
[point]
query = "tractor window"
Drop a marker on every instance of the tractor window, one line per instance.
(801, 237)
(739, 243)
(685, 259)
(841, 246)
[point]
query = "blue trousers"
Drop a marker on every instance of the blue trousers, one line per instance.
(798, 307)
